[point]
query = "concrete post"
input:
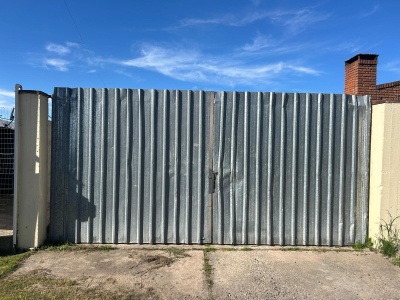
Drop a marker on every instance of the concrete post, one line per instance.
(385, 166)
(31, 168)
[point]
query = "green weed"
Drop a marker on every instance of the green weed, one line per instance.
(359, 246)
(388, 241)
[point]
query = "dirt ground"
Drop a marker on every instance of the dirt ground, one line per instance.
(156, 272)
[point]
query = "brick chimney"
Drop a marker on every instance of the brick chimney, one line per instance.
(360, 75)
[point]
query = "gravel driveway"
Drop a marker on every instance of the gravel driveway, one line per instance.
(161, 272)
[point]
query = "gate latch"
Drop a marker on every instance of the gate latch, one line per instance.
(212, 177)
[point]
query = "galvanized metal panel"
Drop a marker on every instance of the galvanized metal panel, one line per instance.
(294, 168)
(133, 166)
(129, 166)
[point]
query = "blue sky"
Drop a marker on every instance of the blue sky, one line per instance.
(254, 45)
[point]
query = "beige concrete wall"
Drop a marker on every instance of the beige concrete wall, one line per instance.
(385, 166)
(31, 168)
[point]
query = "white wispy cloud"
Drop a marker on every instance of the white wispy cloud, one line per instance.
(300, 20)
(72, 45)
(370, 12)
(6, 93)
(57, 63)
(293, 20)
(62, 56)
(259, 42)
(193, 66)
(7, 98)
(58, 49)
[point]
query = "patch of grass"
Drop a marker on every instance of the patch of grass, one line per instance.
(291, 249)
(208, 270)
(246, 249)
(208, 248)
(176, 252)
(10, 263)
(75, 247)
(229, 249)
(396, 261)
(388, 239)
(104, 247)
(359, 246)
(42, 285)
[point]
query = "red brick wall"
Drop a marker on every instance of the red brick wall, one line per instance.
(388, 92)
(360, 75)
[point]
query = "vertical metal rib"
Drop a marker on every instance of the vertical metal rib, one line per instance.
(152, 197)
(306, 166)
(258, 172)
(128, 178)
(282, 172)
(189, 168)
(103, 166)
(78, 169)
(200, 173)
(294, 170)
(353, 183)
(140, 157)
(342, 169)
(164, 212)
(115, 172)
(269, 168)
(246, 167)
(329, 195)
(90, 169)
(318, 162)
(220, 170)
(233, 171)
(365, 166)
(176, 169)
(211, 182)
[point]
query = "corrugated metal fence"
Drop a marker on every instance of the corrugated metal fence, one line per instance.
(159, 166)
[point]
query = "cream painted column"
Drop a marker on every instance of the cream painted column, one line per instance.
(31, 161)
(385, 166)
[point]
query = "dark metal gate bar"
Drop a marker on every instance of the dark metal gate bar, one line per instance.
(148, 166)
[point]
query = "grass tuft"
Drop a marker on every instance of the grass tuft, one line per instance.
(176, 252)
(246, 249)
(291, 249)
(396, 260)
(229, 249)
(359, 246)
(208, 248)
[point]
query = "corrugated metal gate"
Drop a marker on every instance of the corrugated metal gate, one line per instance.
(159, 166)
